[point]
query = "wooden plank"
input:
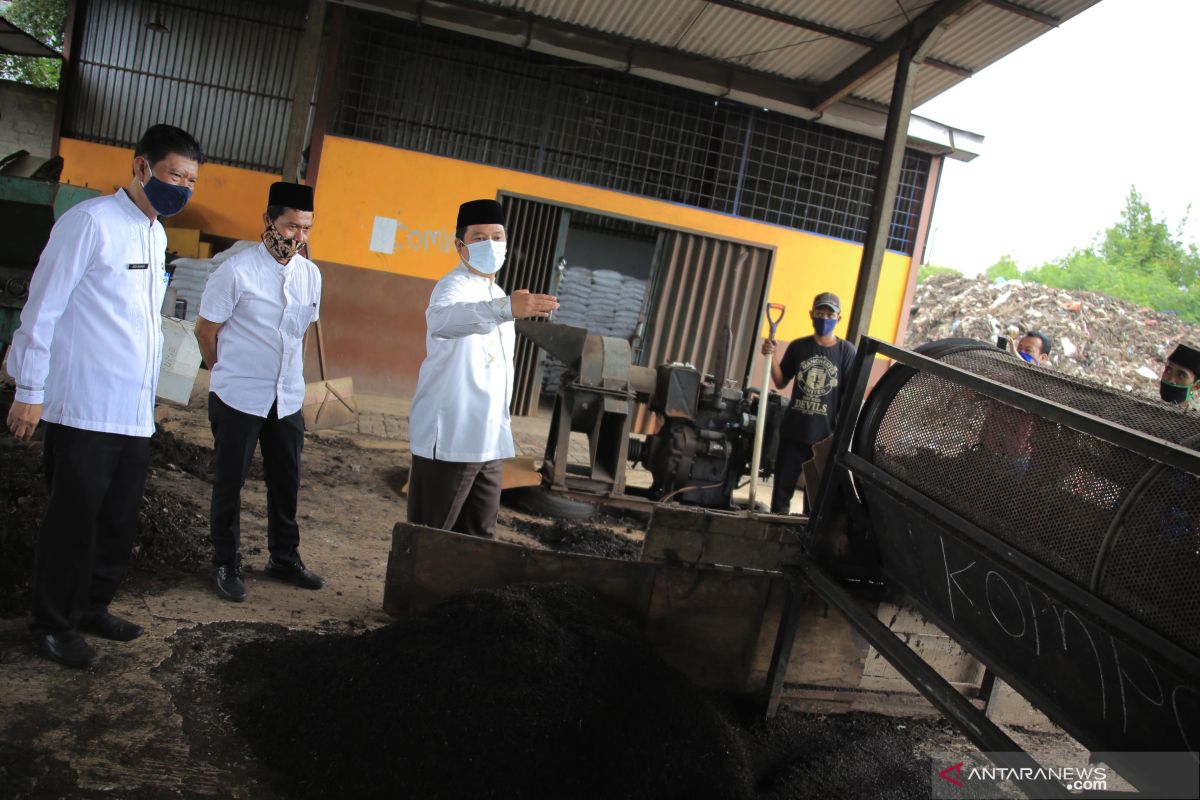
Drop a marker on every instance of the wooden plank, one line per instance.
(713, 625)
(827, 651)
(905, 619)
(812, 484)
(427, 565)
(705, 536)
(941, 652)
(820, 456)
(706, 623)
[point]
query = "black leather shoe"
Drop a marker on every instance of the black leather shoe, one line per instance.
(107, 626)
(228, 578)
(66, 647)
(294, 573)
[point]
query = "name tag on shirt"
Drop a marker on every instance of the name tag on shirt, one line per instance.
(138, 266)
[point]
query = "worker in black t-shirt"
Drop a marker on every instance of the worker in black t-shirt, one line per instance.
(819, 364)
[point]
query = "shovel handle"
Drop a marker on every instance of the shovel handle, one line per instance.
(774, 319)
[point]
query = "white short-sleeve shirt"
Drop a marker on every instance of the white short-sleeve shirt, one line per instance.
(265, 307)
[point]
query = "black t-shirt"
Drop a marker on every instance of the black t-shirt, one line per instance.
(819, 373)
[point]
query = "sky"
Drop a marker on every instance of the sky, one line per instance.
(1072, 120)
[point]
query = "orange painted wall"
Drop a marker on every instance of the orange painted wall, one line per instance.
(228, 201)
(360, 181)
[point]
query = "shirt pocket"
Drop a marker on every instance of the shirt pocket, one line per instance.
(296, 319)
(127, 276)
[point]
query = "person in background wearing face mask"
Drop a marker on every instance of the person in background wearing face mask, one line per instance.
(1178, 383)
(818, 364)
(254, 313)
(459, 425)
(85, 361)
(1034, 348)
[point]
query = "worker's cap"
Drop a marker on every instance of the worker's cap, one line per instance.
(1187, 357)
(479, 212)
(291, 195)
(828, 299)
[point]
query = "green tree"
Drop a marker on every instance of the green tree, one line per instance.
(1141, 244)
(44, 20)
(929, 270)
(1005, 268)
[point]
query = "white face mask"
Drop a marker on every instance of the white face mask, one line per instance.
(486, 256)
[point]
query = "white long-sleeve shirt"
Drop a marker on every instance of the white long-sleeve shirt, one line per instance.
(266, 308)
(90, 340)
(460, 409)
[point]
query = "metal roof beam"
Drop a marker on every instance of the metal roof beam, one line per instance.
(1029, 13)
(827, 30)
(786, 19)
(613, 51)
(919, 30)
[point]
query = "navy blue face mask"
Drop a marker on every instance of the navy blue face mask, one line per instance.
(167, 199)
(824, 327)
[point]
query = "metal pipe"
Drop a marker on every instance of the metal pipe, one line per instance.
(764, 392)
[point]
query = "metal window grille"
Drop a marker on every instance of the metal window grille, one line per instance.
(453, 95)
(222, 70)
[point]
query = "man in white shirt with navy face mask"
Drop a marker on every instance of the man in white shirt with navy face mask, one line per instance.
(254, 313)
(86, 361)
(459, 425)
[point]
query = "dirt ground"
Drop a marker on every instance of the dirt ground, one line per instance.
(162, 716)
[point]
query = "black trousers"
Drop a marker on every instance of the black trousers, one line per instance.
(789, 466)
(235, 435)
(84, 545)
(455, 496)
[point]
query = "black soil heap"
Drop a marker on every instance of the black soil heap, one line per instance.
(172, 530)
(570, 536)
(527, 691)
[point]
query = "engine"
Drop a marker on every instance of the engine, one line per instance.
(704, 447)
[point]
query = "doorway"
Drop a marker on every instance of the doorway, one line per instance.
(670, 293)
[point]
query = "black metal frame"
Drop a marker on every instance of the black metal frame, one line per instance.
(970, 720)
(809, 575)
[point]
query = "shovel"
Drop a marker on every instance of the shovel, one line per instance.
(761, 423)
(329, 402)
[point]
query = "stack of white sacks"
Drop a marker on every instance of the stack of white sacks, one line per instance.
(604, 301)
(191, 275)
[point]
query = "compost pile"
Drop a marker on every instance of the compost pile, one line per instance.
(526, 691)
(570, 536)
(172, 532)
(1094, 336)
(22, 502)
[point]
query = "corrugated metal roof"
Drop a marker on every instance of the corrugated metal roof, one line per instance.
(800, 57)
(780, 42)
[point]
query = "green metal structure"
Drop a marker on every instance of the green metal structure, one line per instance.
(29, 209)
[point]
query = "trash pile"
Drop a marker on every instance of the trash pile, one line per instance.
(532, 690)
(604, 301)
(1094, 336)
